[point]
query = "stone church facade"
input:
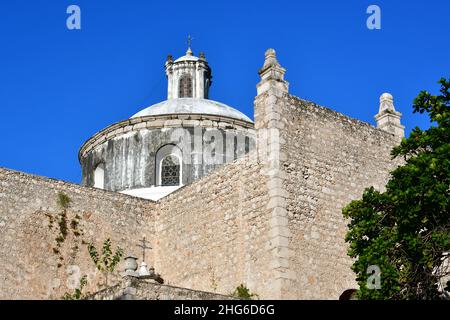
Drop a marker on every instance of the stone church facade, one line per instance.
(267, 213)
(172, 143)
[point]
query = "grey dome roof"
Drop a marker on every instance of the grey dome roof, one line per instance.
(194, 106)
(187, 58)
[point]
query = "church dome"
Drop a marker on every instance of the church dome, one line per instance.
(188, 57)
(145, 156)
(192, 106)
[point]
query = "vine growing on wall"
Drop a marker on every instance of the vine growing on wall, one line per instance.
(63, 226)
(78, 292)
(106, 261)
(63, 201)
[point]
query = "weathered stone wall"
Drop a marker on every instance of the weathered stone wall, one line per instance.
(128, 150)
(32, 264)
(136, 289)
(328, 159)
(214, 234)
(271, 220)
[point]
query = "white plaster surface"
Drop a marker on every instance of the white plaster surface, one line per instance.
(194, 106)
(152, 193)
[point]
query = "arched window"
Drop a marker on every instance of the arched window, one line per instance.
(169, 166)
(185, 86)
(206, 85)
(99, 176)
(170, 171)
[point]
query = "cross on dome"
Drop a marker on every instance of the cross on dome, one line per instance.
(189, 43)
(188, 76)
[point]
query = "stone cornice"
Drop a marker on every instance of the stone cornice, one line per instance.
(180, 120)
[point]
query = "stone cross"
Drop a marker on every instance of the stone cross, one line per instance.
(143, 246)
(189, 41)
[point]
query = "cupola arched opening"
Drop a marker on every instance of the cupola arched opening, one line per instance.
(170, 171)
(185, 86)
(169, 166)
(99, 176)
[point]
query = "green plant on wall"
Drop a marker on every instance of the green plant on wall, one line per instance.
(107, 261)
(78, 293)
(74, 225)
(63, 200)
(242, 292)
(64, 226)
(64, 203)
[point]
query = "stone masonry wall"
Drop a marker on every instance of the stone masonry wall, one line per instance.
(271, 220)
(128, 151)
(214, 234)
(32, 264)
(136, 289)
(316, 161)
(328, 160)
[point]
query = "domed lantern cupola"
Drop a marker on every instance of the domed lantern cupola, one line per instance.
(143, 156)
(188, 76)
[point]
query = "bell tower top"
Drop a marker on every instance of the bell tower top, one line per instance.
(188, 76)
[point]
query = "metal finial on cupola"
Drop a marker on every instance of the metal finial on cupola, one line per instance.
(189, 43)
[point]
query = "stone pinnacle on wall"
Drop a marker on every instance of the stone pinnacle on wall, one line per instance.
(272, 74)
(387, 118)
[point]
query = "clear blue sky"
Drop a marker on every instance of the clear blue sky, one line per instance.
(58, 87)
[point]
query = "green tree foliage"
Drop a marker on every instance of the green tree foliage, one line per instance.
(405, 231)
(107, 261)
